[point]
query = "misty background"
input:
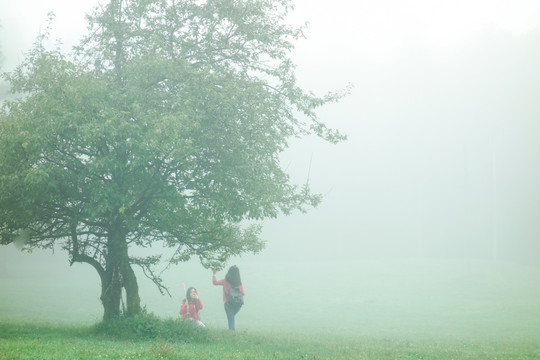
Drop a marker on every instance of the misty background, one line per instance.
(430, 208)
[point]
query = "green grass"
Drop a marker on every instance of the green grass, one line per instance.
(391, 310)
(19, 340)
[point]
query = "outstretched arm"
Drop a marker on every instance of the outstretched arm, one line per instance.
(215, 281)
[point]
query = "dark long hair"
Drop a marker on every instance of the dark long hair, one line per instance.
(233, 276)
(189, 300)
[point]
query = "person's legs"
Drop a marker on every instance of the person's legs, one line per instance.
(230, 316)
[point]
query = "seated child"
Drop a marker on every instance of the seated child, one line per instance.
(191, 306)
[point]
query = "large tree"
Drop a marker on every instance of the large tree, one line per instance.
(164, 125)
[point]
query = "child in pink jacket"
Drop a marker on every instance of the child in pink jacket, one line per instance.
(189, 310)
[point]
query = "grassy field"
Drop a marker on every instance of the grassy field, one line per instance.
(47, 341)
(294, 310)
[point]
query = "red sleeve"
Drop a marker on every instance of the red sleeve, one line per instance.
(217, 282)
(241, 287)
(183, 308)
(198, 306)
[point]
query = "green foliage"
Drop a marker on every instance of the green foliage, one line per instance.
(165, 125)
(169, 121)
(145, 326)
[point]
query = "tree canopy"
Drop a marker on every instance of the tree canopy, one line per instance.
(164, 125)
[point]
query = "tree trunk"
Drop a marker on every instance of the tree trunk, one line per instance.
(111, 284)
(118, 274)
(111, 292)
(133, 301)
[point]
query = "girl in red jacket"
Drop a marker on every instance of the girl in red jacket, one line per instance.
(231, 280)
(190, 307)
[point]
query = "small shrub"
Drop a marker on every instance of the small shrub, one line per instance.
(149, 327)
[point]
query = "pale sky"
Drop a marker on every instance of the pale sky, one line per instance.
(370, 28)
(385, 25)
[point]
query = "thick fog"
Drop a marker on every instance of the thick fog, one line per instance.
(433, 196)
